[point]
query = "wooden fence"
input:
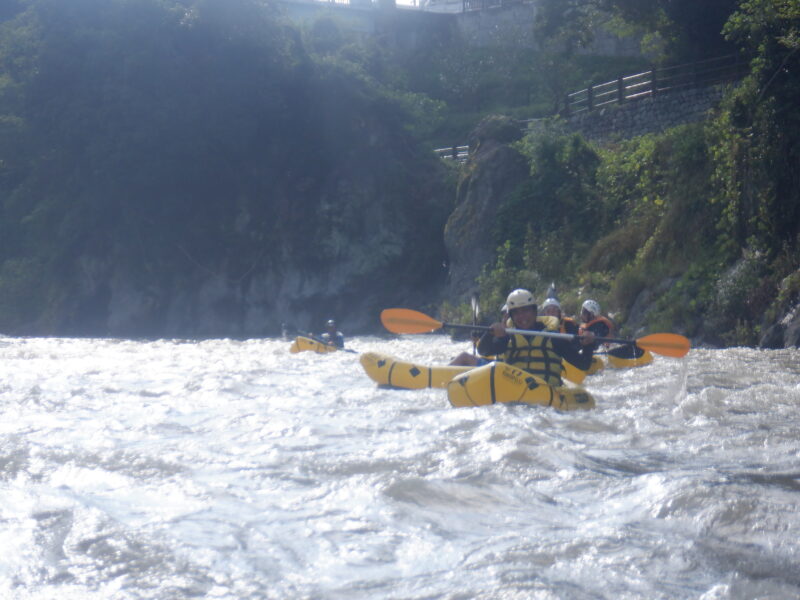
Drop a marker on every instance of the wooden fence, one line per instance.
(656, 81)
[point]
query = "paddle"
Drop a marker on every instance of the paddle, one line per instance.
(476, 311)
(405, 320)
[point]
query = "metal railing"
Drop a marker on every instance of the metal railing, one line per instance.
(629, 88)
(459, 153)
(656, 81)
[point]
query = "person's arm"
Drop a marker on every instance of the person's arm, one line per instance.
(489, 345)
(579, 356)
(599, 329)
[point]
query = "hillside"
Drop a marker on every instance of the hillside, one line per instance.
(202, 168)
(189, 171)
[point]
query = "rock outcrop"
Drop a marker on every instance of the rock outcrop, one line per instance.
(494, 170)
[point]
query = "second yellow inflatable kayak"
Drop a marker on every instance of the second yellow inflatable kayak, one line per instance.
(389, 371)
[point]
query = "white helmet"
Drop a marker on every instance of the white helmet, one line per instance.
(551, 302)
(519, 298)
(591, 306)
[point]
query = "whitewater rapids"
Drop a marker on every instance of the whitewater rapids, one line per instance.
(229, 469)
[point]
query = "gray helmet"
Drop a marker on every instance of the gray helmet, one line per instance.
(591, 306)
(551, 302)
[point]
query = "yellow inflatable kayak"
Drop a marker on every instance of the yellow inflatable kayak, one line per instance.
(576, 375)
(386, 370)
(596, 366)
(621, 362)
(500, 382)
(302, 344)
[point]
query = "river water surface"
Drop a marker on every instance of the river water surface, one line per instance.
(234, 469)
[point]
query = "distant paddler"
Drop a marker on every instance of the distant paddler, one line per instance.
(332, 336)
(537, 354)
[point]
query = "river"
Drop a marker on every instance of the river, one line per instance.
(230, 469)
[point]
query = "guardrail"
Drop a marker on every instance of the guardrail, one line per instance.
(458, 153)
(629, 88)
(656, 81)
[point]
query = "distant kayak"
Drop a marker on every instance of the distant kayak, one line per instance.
(306, 344)
(499, 382)
(389, 371)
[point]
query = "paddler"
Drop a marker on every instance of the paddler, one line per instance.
(551, 307)
(602, 326)
(592, 320)
(537, 354)
(332, 337)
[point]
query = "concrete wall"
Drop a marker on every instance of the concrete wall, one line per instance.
(410, 27)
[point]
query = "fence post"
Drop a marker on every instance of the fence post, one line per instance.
(455, 152)
(590, 97)
(620, 90)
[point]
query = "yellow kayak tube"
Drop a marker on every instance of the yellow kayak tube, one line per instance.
(389, 371)
(499, 382)
(306, 344)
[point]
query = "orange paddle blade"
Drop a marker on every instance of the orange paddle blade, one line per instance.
(405, 320)
(666, 344)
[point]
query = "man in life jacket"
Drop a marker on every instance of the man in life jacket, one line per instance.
(332, 337)
(538, 354)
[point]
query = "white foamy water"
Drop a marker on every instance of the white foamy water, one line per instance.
(230, 469)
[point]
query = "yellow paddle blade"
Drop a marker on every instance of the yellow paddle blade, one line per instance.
(666, 344)
(405, 320)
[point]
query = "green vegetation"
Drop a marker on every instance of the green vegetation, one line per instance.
(163, 142)
(707, 215)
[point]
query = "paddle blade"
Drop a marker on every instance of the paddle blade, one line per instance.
(666, 344)
(405, 320)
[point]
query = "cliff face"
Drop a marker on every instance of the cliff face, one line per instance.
(495, 170)
(198, 173)
(362, 247)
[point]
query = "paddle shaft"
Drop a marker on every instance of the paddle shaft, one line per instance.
(552, 334)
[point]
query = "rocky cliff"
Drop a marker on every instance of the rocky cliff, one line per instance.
(494, 171)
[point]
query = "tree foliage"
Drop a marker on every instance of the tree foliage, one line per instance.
(180, 139)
